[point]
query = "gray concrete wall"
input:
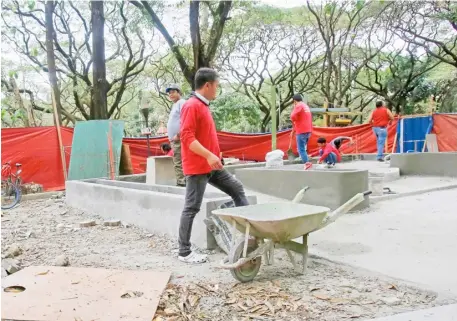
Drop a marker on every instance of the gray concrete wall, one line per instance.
(437, 164)
(330, 188)
(156, 208)
(137, 178)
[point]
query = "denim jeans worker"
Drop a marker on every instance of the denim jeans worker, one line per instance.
(302, 145)
(302, 126)
(381, 136)
(201, 160)
(380, 119)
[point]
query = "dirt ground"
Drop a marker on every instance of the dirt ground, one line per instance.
(47, 230)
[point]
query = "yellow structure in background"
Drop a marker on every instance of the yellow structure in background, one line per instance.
(335, 117)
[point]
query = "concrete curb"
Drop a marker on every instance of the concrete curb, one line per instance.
(38, 196)
(376, 199)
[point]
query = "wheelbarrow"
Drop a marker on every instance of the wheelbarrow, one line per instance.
(275, 225)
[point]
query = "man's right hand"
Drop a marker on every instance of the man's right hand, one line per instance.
(214, 161)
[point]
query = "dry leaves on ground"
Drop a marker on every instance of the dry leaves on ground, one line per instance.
(246, 301)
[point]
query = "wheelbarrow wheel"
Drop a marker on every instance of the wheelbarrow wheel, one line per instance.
(249, 270)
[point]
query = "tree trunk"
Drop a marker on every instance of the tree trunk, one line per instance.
(51, 60)
(99, 106)
(17, 95)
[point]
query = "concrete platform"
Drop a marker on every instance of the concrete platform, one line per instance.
(411, 238)
(437, 164)
(375, 169)
(156, 208)
(442, 313)
(329, 188)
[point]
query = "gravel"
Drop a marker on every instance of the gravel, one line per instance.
(47, 232)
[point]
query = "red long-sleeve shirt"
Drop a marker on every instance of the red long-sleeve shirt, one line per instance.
(197, 124)
(302, 119)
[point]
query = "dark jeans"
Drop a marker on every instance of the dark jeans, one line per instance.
(195, 188)
(302, 146)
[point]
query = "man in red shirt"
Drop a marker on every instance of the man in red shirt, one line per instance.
(379, 119)
(302, 121)
(328, 153)
(201, 160)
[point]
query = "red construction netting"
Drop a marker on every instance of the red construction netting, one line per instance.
(37, 148)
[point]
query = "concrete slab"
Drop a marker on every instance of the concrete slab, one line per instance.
(156, 208)
(329, 188)
(160, 170)
(443, 313)
(411, 238)
(438, 164)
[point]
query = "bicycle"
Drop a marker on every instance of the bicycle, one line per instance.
(11, 186)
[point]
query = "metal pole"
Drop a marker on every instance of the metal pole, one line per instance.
(273, 117)
(149, 148)
(59, 135)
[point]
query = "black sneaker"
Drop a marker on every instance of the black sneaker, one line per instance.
(380, 160)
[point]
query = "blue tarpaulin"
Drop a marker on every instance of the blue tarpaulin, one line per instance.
(411, 133)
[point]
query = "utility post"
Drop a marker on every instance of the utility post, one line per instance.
(273, 117)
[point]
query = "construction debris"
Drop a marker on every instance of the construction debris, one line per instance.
(13, 251)
(87, 224)
(112, 223)
(10, 266)
(62, 260)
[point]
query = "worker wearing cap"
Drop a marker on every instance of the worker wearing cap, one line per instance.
(174, 93)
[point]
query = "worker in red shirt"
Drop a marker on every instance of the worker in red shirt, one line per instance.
(379, 119)
(166, 149)
(328, 153)
(201, 160)
(302, 121)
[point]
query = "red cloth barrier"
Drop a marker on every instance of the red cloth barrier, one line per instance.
(445, 129)
(37, 148)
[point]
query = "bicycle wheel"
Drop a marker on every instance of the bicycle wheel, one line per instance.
(10, 195)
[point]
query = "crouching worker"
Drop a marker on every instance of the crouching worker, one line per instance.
(328, 152)
(166, 149)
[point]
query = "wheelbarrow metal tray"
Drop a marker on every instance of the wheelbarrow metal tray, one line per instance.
(279, 222)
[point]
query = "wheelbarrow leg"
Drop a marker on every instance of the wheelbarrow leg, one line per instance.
(305, 253)
(246, 239)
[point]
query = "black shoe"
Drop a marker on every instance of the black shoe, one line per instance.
(380, 160)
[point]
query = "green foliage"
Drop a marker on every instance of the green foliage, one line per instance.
(235, 113)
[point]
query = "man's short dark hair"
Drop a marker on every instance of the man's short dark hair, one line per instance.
(205, 75)
(297, 97)
(165, 147)
(379, 103)
(321, 140)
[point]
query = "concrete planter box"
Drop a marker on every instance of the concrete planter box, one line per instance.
(436, 164)
(330, 188)
(156, 208)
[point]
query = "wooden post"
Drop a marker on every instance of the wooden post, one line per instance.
(59, 135)
(273, 117)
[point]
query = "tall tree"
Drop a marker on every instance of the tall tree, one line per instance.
(277, 55)
(432, 25)
(343, 26)
(51, 60)
(127, 50)
(396, 74)
(205, 40)
(99, 108)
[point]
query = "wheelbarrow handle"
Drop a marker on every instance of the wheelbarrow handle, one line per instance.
(366, 193)
(299, 196)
